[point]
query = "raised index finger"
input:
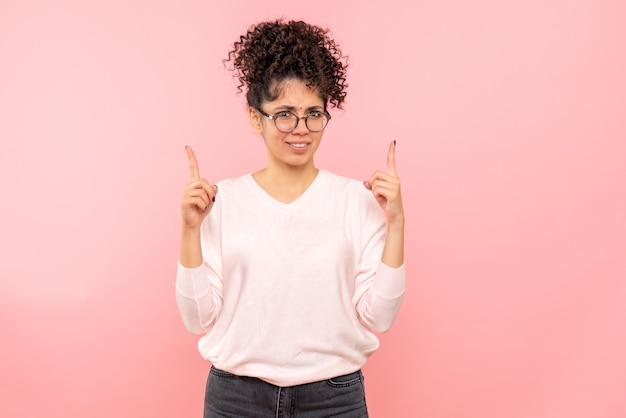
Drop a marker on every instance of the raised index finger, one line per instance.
(391, 158)
(193, 164)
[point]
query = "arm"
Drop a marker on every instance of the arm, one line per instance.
(198, 281)
(198, 198)
(380, 283)
(385, 186)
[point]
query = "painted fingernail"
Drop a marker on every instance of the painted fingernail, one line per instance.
(213, 199)
(394, 142)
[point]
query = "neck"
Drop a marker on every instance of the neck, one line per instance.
(286, 183)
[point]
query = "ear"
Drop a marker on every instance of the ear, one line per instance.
(255, 120)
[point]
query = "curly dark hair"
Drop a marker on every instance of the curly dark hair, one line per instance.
(275, 51)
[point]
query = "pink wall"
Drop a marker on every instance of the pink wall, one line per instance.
(509, 118)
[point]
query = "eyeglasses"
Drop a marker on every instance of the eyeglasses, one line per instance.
(286, 121)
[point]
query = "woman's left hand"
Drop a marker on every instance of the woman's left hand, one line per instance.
(385, 186)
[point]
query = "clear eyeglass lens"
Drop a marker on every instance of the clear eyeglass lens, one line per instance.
(287, 122)
(316, 121)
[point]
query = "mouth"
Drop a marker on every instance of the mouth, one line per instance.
(298, 146)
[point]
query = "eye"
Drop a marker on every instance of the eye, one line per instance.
(315, 114)
(284, 115)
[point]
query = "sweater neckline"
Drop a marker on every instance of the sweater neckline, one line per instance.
(301, 200)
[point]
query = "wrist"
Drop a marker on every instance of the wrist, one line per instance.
(188, 231)
(396, 223)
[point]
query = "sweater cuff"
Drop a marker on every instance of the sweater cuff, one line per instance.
(192, 282)
(390, 282)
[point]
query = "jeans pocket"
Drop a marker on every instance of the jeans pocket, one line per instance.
(345, 380)
(221, 373)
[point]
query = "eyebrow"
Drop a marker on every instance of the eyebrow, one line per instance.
(294, 108)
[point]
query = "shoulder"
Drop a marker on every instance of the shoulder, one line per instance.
(234, 189)
(234, 183)
(342, 182)
(346, 185)
(350, 197)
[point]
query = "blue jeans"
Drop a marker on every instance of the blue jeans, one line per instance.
(232, 396)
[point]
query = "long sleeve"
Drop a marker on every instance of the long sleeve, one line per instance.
(291, 293)
(199, 291)
(379, 289)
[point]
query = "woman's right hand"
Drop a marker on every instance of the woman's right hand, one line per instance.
(198, 196)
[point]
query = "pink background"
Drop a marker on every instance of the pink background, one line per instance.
(510, 122)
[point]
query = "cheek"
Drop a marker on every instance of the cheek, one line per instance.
(318, 138)
(271, 136)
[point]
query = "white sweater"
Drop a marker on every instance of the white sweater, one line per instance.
(291, 293)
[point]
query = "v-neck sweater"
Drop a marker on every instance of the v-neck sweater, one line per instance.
(295, 292)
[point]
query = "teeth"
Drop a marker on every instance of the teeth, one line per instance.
(298, 145)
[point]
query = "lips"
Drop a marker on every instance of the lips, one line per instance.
(298, 146)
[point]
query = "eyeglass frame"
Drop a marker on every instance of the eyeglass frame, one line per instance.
(298, 118)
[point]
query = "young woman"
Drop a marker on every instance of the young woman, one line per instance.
(291, 270)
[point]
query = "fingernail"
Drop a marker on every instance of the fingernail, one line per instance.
(213, 199)
(394, 142)
(186, 146)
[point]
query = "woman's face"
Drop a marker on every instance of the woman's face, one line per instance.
(295, 148)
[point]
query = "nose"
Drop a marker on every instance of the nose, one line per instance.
(301, 127)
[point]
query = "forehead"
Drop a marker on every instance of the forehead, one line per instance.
(295, 93)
